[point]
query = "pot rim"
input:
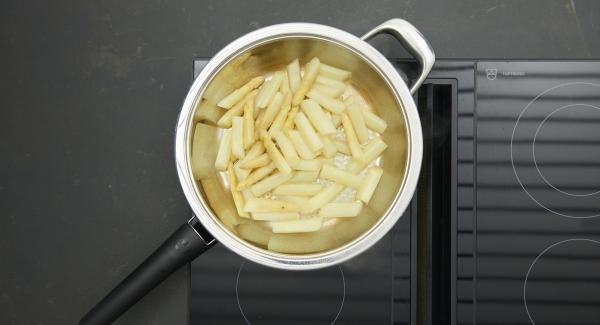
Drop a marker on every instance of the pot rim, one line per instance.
(414, 146)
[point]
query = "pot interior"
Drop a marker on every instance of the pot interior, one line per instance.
(265, 58)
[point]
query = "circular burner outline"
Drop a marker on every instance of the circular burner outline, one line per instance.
(537, 131)
(512, 140)
(237, 296)
(536, 260)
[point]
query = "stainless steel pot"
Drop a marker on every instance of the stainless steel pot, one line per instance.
(269, 47)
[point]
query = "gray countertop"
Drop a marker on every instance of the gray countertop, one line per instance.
(90, 95)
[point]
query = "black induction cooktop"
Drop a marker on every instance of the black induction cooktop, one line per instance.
(504, 227)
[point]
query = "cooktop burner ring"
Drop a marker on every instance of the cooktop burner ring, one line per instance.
(537, 259)
(534, 162)
(537, 131)
(247, 321)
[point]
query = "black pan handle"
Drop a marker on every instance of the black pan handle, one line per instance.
(185, 244)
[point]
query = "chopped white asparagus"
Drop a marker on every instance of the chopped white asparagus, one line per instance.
(301, 146)
(340, 210)
(371, 152)
(373, 121)
(272, 110)
(304, 176)
(331, 104)
(256, 162)
(249, 135)
(275, 216)
(356, 117)
(329, 82)
(328, 91)
(342, 147)
(295, 226)
(355, 148)
(278, 123)
(293, 71)
(289, 122)
(374, 149)
(237, 110)
(256, 150)
(333, 72)
(299, 138)
(365, 192)
(285, 83)
(310, 74)
(237, 137)
(276, 156)
(268, 90)
(328, 113)
(287, 148)
(336, 119)
(326, 161)
(352, 95)
(258, 118)
(325, 196)
(263, 134)
(298, 189)
(309, 165)
(300, 201)
(224, 153)
(255, 176)
(269, 183)
(247, 194)
(239, 94)
(238, 199)
(317, 116)
(240, 173)
(268, 205)
(329, 148)
(309, 134)
(340, 176)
